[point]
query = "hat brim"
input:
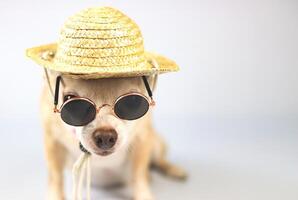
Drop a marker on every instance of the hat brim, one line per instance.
(90, 72)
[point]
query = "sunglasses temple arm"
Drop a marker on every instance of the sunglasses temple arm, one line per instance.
(148, 89)
(56, 97)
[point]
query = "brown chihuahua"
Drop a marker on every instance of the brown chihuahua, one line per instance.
(121, 138)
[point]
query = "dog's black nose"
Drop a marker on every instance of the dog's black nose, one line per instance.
(105, 139)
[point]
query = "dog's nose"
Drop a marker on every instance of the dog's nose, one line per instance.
(105, 139)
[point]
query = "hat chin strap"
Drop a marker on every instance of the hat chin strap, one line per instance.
(155, 67)
(154, 64)
(49, 82)
(81, 170)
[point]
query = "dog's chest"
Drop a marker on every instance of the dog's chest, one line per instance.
(110, 170)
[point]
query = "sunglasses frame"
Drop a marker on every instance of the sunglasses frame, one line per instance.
(150, 101)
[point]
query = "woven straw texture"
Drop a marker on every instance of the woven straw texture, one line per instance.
(100, 42)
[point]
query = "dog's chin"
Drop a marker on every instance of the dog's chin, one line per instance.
(103, 152)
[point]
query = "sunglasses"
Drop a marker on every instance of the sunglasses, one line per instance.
(80, 111)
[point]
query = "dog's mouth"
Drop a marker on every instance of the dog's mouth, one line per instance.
(104, 152)
(96, 151)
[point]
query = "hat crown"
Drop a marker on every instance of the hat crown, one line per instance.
(100, 36)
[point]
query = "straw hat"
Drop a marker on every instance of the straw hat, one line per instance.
(97, 43)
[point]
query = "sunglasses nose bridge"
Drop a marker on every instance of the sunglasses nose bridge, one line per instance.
(100, 107)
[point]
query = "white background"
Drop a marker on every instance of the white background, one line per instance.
(230, 115)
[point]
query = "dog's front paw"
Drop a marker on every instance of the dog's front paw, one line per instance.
(143, 195)
(54, 195)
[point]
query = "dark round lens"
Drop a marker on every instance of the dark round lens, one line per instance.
(131, 107)
(78, 112)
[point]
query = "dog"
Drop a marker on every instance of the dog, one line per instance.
(136, 145)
